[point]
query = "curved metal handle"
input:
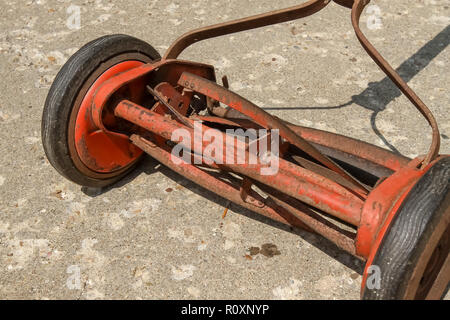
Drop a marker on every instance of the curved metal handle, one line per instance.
(357, 9)
(261, 20)
(305, 10)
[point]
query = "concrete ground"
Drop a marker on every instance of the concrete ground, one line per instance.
(157, 236)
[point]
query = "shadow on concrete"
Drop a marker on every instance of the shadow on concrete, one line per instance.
(150, 166)
(378, 95)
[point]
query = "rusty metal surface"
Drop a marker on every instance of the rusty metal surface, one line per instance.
(173, 110)
(442, 280)
(384, 161)
(263, 118)
(431, 276)
(345, 3)
(182, 100)
(358, 149)
(293, 180)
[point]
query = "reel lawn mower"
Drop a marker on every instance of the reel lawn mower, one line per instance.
(116, 99)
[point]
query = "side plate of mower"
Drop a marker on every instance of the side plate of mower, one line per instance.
(117, 98)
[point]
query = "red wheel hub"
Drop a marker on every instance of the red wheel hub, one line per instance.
(100, 151)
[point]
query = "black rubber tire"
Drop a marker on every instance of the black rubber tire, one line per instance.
(66, 88)
(426, 206)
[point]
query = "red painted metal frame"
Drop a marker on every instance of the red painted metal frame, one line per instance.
(315, 197)
(380, 202)
(101, 150)
(385, 202)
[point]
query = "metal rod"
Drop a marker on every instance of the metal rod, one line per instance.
(295, 181)
(379, 156)
(178, 115)
(263, 118)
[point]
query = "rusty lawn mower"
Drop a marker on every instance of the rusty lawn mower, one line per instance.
(116, 99)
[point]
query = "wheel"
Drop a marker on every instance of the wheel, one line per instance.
(73, 146)
(413, 257)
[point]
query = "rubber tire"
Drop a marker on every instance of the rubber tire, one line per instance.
(65, 89)
(410, 230)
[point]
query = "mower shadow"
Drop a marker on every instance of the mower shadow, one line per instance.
(377, 96)
(322, 244)
(150, 166)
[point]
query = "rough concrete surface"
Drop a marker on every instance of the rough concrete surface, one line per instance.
(155, 235)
